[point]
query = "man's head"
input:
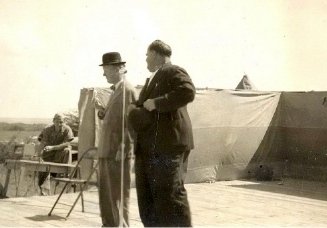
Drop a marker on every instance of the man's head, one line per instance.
(58, 120)
(113, 67)
(158, 53)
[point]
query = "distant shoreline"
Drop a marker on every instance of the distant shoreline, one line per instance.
(26, 120)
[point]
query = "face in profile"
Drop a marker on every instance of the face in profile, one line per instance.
(151, 60)
(111, 72)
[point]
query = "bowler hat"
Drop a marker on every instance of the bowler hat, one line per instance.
(111, 58)
(140, 118)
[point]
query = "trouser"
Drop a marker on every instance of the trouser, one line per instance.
(110, 193)
(58, 156)
(162, 198)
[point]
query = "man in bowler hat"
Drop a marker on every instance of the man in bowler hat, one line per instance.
(164, 140)
(111, 147)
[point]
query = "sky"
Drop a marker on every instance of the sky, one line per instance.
(51, 49)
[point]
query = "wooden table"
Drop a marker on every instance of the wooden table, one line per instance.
(40, 166)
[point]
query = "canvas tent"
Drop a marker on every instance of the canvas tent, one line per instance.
(245, 83)
(297, 136)
(237, 131)
(228, 128)
(90, 101)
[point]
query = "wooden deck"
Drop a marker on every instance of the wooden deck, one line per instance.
(293, 203)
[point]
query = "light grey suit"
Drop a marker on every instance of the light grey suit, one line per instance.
(109, 145)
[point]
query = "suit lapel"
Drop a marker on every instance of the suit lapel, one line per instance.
(146, 91)
(114, 96)
(151, 85)
(142, 93)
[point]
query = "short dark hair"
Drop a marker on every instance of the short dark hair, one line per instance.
(160, 47)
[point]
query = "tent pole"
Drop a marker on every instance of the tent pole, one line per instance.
(121, 206)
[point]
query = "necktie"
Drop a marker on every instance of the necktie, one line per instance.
(146, 84)
(113, 87)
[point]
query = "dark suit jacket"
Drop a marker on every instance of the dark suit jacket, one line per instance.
(170, 129)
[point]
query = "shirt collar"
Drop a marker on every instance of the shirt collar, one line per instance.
(152, 75)
(60, 130)
(115, 86)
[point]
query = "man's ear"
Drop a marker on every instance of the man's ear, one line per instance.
(122, 71)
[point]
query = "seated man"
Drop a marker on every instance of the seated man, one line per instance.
(55, 145)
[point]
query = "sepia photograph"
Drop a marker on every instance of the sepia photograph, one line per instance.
(150, 113)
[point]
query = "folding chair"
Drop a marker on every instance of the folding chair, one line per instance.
(75, 179)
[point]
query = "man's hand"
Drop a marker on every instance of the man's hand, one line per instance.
(149, 105)
(119, 154)
(130, 108)
(48, 148)
(101, 113)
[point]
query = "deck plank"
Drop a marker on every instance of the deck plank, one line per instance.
(226, 203)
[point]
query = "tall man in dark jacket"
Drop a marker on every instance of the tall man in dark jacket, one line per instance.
(164, 140)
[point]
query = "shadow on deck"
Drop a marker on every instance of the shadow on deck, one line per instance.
(225, 203)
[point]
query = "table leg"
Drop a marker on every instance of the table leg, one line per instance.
(5, 187)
